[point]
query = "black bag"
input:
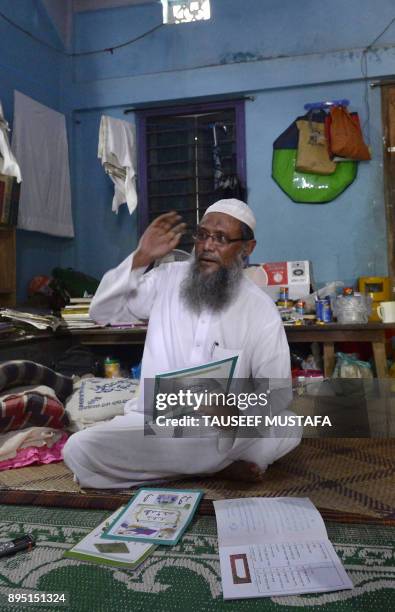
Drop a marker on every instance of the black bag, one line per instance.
(77, 361)
(74, 282)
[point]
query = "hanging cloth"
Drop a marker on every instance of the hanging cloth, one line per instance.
(8, 164)
(228, 185)
(40, 144)
(117, 152)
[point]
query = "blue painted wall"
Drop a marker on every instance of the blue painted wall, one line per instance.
(102, 238)
(284, 54)
(36, 71)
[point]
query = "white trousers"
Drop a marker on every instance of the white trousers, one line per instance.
(117, 454)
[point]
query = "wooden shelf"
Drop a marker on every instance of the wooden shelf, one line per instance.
(7, 266)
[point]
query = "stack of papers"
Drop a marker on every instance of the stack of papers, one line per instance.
(275, 546)
(36, 320)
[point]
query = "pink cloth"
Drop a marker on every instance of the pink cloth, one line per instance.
(35, 454)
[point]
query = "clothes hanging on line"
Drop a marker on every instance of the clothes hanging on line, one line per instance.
(117, 152)
(8, 164)
(40, 144)
(230, 183)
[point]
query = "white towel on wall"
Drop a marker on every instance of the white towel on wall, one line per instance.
(117, 151)
(8, 164)
(40, 144)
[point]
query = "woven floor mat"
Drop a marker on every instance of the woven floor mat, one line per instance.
(343, 476)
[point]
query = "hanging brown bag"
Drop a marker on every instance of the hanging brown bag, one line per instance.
(313, 154)
(346, 139)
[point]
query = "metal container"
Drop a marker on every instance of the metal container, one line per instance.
(327, 316)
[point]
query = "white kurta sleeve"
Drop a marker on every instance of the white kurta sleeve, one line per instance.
(124, 295)
(270, 357)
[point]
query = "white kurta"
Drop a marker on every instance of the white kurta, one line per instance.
(249, 327)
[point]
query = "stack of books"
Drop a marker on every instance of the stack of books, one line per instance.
(131, 534)
(76, 314)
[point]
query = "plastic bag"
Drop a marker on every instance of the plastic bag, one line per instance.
(329, 289)
(349, 366)
(346, 136)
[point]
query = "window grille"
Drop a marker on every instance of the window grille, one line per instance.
(177, 11)
(188, 160)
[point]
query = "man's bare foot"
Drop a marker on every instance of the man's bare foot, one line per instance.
(242, 470)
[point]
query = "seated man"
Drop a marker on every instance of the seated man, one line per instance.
(199, 311)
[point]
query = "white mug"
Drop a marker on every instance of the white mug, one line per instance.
(386, 312)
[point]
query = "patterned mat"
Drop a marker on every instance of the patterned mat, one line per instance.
(341, 475)
(183, 577)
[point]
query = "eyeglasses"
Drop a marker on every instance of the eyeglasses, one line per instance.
(218, 238)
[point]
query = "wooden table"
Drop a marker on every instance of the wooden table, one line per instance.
(326, 334)
(329, 333)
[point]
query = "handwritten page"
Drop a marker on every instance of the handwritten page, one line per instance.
(276, 546)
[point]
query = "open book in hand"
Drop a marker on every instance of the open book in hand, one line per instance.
(275, 546)
(96, 549)
(180, 392)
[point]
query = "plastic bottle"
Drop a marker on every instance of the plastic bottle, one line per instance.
(112, 368)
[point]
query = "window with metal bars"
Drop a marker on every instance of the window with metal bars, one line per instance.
(184, 11)
(189, 158)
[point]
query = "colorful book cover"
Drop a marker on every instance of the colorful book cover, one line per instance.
(159, 516)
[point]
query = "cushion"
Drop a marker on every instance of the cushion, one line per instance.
(37, 406)
(99, 399)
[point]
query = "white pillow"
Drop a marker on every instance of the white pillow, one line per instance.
(98, 399)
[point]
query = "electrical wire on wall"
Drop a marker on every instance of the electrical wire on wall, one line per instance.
(364, 71)
(81, 53)
(113, 48)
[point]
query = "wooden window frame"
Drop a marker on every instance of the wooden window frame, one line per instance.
(388, 124)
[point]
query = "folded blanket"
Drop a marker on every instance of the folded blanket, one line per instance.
(37, 406)
(14, 441)
(39, 455)
(20, 372)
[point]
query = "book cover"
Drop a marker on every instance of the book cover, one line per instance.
(159, 516)
(96, 549)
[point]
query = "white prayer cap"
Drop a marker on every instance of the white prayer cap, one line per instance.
(234, 208)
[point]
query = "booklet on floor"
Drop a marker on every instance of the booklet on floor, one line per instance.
(95, 549)
(275, 546)
(158, 516)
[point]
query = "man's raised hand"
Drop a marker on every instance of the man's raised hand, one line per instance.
(160, 237)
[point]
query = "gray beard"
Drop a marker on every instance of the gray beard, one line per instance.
(212, 291)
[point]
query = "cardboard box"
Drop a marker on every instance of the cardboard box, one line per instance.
(296, 275)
